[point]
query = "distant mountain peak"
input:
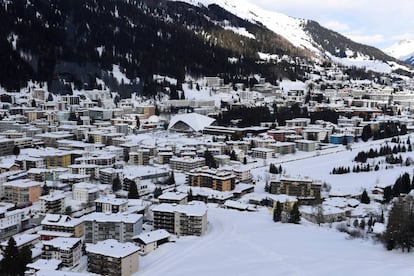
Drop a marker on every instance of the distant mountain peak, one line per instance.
(403, 49)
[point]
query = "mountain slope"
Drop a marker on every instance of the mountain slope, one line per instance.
(78, 43)
(403, 50)
(302, 33)
(62, 42)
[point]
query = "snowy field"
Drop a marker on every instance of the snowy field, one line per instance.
(240, 243)
(304, 164)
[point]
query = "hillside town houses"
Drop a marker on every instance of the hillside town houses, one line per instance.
(90, 181)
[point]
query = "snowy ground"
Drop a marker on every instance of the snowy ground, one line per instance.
(240, 243)
(319, 167)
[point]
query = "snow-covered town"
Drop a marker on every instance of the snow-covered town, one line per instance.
(91, 183)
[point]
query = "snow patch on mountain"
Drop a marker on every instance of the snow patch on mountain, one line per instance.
(119, 76)
(402, 50)
(288, 27)
(240, 31)
(293, 30)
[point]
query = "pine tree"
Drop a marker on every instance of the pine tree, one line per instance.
(267, 187)
(366, 133)
(356, 223)
(45, 190)
(133, 191)
(387, 194)
(171, 179)
(294, 216)
(10, 258)
(138, 122)
(157, 192)
(233, 155)
(49, 98)
(365, 198)
(362, 224)
(116, 184)
(209, 159)
(25, 257)
(277, 212)
(190, 195)
(16, 150)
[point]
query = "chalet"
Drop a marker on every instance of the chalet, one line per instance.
(150, 241)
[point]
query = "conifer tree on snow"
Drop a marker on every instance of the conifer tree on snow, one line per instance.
(400, 227)
(277, 212)
(365, 198)
(133, 191)
(294, 216)
(10, 258)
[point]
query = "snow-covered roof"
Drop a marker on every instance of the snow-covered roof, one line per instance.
(152, 236)
(62, 243)
(49, 272)
(26, 183)
(112, 248)
(194, 208)
(22, 239)
(52, 264)
(112, 200)
(62, 220)
(53, 196)
(195, 121)
(235, 205)
(113, 217)
(172, 196)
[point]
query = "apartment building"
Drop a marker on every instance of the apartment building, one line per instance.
(111, 205)
(11, 222)
(100, 159)
(85, 192)
(50, 138)
(139, 157)
(299, 187)
(283, 147)
(186, 163)
(107, 175)
(22, 191)
(103, 226)
(29, 240)
(53, 203)
(6, 146)
(305, 145)
(111, 257)
(262, 153)
(181, 220)
(173, 197)
(54, 225)
(29, 162)
(219, 180)
(67, 250)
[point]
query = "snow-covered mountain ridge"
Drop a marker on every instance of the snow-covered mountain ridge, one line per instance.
(308, 35)
(402, 50)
